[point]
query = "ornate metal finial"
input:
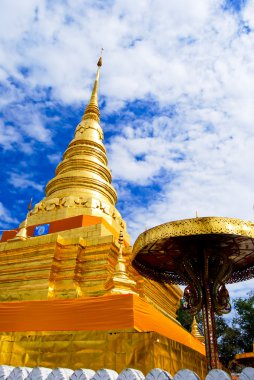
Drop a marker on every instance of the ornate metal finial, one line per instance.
(99, 63)
(30, 205)
(92, 110)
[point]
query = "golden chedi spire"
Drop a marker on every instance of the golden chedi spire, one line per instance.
(195, 331)
(92, 109)
(22, 232)
(82, 182)
(119, 282)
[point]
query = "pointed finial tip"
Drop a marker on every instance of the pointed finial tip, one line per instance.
(99, 63)
(30, 205)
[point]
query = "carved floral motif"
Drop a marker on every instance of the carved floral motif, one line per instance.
(74, 201)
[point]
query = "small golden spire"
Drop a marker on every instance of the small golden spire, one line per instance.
(120, 283)
(22, 232)
(120, 268)
(92, 110)
(195, 331)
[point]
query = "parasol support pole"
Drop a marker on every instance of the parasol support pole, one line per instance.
(209, 317)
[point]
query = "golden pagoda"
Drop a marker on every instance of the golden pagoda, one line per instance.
(69, 296)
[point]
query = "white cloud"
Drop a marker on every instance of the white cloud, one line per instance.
(239, 289)
(28, 120)
(23, 181)
(5, 217)
(54, 158)
(9, 136)
(162, 48)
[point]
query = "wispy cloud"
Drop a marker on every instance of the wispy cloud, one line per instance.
(22, 181)
(9, 136)
(54, 158)
(5, 217)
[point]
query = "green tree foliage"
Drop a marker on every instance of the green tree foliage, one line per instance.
(184, 317)
(238, 336)
(235, 336)
(244, 321)
(229, 344)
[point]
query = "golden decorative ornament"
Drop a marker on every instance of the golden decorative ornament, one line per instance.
(195, 331)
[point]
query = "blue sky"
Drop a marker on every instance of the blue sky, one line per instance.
(176, 99)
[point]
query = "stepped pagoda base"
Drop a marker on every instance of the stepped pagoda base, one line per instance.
(116, 331)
